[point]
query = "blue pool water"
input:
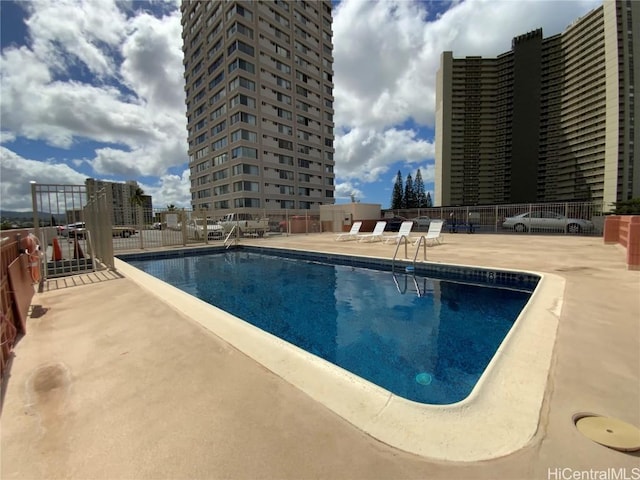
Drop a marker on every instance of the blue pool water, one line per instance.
(427, 340)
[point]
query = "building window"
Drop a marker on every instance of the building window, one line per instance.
(218, 128)
(240, 28)
(282, 67)
(243, 117)
(218, 112)
(220, 159)
(244, 152)
(246, 169)
(282, 113)
(285, 159)
(246, 202)
(217, 96)
(246, 187)
(240, 10)
(286, 129)
(241, 99)
(219, 144)
(243, 47)
(244, 135)
(221, 189)
(220, 174)
(242, 82)
(243, 65)
(283, 98)
(281, 82)
(285, 144)
(216, 81)
(216, 64)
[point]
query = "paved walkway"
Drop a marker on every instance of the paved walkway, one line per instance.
(110, 382)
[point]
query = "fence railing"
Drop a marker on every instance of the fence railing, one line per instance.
(16, 292)
(584, 218)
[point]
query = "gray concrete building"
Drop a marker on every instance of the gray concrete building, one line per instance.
(259, 94)
(550, 120)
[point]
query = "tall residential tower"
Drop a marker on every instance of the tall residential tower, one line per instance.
(259, 85)
(551, 120)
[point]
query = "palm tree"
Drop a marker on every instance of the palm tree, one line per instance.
(137, 200)
(138, 197)
(171, 207)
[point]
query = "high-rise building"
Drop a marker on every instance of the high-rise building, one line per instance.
(124, 210)
(259, 93)
(551, 120)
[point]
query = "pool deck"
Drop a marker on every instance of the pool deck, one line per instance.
(111, 382)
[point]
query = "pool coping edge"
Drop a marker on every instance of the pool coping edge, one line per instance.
(506, 401)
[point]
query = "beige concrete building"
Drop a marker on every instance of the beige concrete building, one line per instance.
(120, 194)
(550, 120)
(259, 93)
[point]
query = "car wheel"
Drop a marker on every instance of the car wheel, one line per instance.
(519, 227)
(573, 228)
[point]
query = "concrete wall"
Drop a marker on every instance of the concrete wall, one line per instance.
(342, 216)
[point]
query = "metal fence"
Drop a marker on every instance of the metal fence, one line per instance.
(581, 218)
(183, 227)
(79, 234)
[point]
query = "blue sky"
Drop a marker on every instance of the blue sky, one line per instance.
(95, 89)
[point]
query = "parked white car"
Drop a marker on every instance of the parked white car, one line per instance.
(546, 221)
(196, 229)
(72, 230)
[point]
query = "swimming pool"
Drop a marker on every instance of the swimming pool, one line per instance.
(425, 339)
(507, 400)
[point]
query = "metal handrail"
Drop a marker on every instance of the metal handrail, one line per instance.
(229, 235)
(393, 260)
(424, 245)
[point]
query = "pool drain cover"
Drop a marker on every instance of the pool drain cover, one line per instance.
(424, 378)
(610, 432)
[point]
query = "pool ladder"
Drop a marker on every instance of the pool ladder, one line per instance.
(403, 238)
(232, 238)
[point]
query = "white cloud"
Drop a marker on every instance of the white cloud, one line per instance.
(365, 154)
(346, 190)
(127, 91)
(173, 190)
(134, 103)
(87, 30)
(386, 58)
(6, 137)
(17, 172)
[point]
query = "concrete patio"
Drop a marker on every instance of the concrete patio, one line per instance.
(111, 382)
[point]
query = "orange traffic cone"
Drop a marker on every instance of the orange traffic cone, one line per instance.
(57, 251)
(77, 251)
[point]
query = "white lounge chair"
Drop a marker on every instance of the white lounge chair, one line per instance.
(405, 229)
(377, 234)
(351, 234)
(434, 234)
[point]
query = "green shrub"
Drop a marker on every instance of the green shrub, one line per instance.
(627, 207)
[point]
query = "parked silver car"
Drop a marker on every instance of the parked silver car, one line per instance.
(546, 221)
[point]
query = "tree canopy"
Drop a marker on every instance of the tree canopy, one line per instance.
(397, 195)
(411, 194)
